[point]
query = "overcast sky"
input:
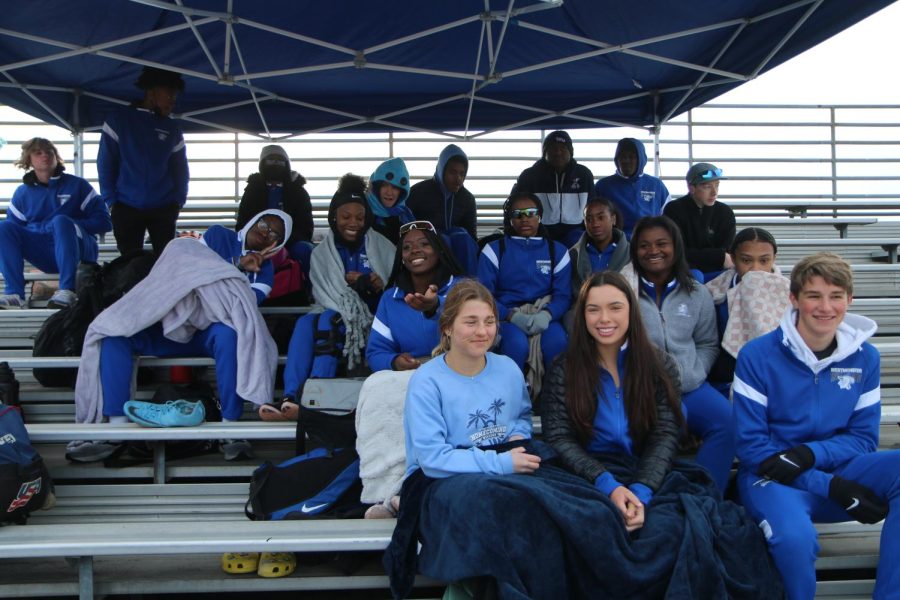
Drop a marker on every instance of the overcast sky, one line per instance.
(857, 66)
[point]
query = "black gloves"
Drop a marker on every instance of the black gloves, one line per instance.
(784, 467)
(860, 502)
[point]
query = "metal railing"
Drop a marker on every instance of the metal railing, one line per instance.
(786, 153)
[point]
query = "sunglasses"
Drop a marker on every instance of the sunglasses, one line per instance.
(523, 213)
(420, 225)
(271, 234)
(709, 174)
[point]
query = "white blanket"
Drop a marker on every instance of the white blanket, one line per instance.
(380, 442)
(189, 288)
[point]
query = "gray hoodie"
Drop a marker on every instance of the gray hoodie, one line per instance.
(684, 326)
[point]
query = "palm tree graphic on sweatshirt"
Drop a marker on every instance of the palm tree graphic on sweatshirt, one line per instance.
(483, 424)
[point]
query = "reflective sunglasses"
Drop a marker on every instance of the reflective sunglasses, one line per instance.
(709, 174)
(271, 234)
(421, 225)
(523, 213)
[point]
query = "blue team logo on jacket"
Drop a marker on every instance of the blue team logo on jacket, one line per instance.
(543, 266)
(162, 134)
(484, 422)
(648, 195)
(846, 377)
(63, 198)
(576, 183)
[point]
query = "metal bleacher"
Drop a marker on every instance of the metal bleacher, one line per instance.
(114, 530)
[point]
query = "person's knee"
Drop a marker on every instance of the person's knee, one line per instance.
(9, 230)
(63, 224)
(794, 537)
(222, 336)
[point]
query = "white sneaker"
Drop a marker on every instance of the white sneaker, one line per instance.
(61, 299)
(92, 451)
(12, 301)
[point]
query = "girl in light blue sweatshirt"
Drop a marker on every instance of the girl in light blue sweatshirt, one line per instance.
(467, 399)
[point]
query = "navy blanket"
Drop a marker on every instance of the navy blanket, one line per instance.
(552, 535)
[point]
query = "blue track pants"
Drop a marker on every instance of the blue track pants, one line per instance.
(217, 341)
(786, 516)
(58, 251)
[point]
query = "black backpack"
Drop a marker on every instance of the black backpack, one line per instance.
(24, 480)
(62, 334)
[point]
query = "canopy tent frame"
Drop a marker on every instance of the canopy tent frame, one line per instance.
(217, 67)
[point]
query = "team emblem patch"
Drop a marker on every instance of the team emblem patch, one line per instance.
(648, 196)
(162, 134)
(543, 266)
(846, 377)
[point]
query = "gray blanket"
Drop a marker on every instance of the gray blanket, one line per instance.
(189, 288)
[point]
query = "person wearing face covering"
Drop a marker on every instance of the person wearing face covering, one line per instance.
(348, 271)
(142, 164)
(216, 294)
(277, 186)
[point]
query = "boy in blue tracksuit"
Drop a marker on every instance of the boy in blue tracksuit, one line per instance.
(634, 193)
(142, 164)
(248, 250)
(521, 269)
(51, 221)
(807, 402)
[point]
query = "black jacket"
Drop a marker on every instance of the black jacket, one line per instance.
(659, 448)
(707, 232)
(427, 203)
(295, 202)
(563, 195)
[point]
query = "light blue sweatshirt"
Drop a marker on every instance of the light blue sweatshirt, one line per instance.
(448, 417)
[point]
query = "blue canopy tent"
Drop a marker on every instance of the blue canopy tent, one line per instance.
(464, 68)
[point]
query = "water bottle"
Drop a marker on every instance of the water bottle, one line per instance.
(9, 386)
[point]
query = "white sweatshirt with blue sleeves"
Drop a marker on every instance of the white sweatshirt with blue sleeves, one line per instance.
(784, 396)
(34, 204)
(449, 416)
(142, 160)
(524, 273)
(398, 328)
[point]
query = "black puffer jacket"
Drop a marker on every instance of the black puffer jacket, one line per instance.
(659, 449)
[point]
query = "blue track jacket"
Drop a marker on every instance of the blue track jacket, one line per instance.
(784, 396)
(34, 205)
(142, 160)
(524, 274)
(397, 328)
(638, 196)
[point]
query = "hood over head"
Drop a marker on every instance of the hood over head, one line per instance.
(394, 172)
(286, 218)
(638, 147)
(274, 163)
(446, 154)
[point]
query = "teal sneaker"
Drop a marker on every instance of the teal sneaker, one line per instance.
(176, 413)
